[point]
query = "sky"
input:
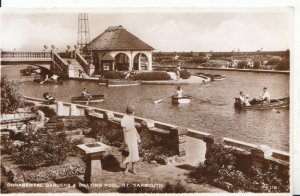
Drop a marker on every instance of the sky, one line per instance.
(165, 30)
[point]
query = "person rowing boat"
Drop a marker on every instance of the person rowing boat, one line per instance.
(179, 92)
(264, 97)
(86, 94)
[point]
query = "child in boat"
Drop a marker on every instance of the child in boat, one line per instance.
(244, 99)
(179, 92)
(48, 97)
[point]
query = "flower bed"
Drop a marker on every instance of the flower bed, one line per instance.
(154, 75)
(221, 169)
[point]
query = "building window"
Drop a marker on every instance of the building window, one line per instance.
(106, 66)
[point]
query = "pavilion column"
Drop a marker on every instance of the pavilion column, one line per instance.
(130, 61)
(149, 56)
(139, 61)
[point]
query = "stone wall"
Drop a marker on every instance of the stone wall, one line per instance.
(247, 154)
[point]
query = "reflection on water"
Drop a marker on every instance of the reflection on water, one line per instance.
(217, 117)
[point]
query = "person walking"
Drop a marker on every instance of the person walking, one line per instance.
(131, 139)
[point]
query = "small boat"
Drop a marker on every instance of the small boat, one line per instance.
(39, 79)
(94, 99)
(212, 76)
(274, 103)
(29, 71)
(181, 100)
(118, 83)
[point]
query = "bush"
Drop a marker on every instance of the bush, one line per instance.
(11, 98)
(242, 65)
(275, 60)
(220, 167)
(50, 149)
(283, 65)
(49, 112)
(113, 75)
(184, 74)
(154, 75)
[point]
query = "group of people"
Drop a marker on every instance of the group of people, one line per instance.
(264, 97)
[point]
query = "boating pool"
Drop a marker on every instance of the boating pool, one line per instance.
(217, 117)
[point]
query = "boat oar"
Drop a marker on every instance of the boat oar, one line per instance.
(197, 98)
(160, 100)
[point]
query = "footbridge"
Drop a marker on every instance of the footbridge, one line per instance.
(44, 59)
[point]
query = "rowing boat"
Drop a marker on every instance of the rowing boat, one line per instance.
(212, 76)
(94, 99)
(274, 103)
(39, 79)
(181, 100)
(118, 83)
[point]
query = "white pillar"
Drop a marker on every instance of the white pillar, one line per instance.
(60, 109)
(130, 61)
(149, 56)
(73, 110)
(139, 67)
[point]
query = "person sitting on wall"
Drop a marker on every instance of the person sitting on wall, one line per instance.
(264, 97)
(48, 97)
(39, 120)
(86, 94)
(179, 92)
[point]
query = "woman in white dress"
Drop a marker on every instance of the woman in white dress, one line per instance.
(131, 139)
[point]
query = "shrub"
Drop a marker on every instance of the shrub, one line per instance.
(274, 60)
(242, 65)
(283, 65)
(11, 98)
(220, 167)
(113, 75)
(154, 75)
(184, 74)
(49, 112)
(50, 149)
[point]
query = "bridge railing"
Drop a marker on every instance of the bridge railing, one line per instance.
(61, 63)
(25, 55)
(84, 64)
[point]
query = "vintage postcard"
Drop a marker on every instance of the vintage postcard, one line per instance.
(129, 100)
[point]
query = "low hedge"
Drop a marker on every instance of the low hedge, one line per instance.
(113, 75)
(154, 75)
(184, 74)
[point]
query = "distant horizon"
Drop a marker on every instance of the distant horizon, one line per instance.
(221, 31)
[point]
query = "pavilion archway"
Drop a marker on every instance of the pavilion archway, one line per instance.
(122, 62)
(140, 62)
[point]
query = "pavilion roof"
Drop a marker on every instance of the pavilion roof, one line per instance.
(117, 38)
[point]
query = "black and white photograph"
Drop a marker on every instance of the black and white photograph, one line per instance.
(152, 100)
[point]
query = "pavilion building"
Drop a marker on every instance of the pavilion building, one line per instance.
(118, 49)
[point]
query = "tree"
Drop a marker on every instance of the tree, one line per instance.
(274, 60)
(11, 98)
(256, 65)
(242, 65)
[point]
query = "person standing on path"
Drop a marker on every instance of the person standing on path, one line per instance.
(131, 139)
